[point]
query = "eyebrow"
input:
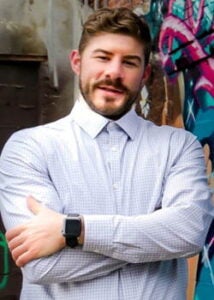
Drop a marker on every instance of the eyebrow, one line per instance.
(132, 57)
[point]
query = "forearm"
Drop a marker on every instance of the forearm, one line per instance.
(70, 265)
(177, 229)
(166, 234)
(39, 246)
(23, 172)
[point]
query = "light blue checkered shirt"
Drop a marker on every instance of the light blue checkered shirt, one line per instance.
(142, 191)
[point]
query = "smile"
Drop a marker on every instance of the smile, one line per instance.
(111, 89)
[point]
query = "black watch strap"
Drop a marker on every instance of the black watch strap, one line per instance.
(72, 229)
(71, 242)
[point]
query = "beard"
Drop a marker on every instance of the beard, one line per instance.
(109, 111)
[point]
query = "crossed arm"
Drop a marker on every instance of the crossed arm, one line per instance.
(35, 239)
(34, 228)
(111, 241)
(41, 238)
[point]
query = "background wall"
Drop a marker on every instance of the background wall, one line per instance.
(186, 43)
(37, 37)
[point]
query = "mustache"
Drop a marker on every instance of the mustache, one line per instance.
(117, 84)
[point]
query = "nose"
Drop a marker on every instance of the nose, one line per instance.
(114, 70)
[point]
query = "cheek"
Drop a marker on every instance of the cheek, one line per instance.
(89, 77)
(134, 82)
(93, 71)
(84, 76)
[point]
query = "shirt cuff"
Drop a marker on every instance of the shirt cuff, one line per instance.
(98, 234)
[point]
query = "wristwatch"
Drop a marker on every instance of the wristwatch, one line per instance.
(72, 229)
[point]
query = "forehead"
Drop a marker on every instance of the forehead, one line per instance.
(115, 43)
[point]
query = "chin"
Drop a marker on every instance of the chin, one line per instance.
(113, 115)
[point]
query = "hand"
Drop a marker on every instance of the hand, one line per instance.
(39, 237)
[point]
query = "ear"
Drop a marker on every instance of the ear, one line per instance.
(75, 61)
(146, 74)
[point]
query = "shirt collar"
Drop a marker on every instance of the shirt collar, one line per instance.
(93, 123)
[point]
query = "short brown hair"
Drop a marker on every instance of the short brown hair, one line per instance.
(120, 20)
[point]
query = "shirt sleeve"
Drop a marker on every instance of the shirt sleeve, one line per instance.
(24, 172)
(177, 229)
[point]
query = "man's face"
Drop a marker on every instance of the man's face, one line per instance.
(111, 73)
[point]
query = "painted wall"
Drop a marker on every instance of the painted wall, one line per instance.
(187, 48)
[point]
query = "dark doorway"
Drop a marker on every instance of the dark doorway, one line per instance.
(19, 108)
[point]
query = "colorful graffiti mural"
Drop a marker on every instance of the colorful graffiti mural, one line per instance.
(186, 43)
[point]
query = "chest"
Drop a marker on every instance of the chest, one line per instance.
(110, 175)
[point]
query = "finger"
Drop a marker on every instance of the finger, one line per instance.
(18, 251)
(14, 232)
(15, 242)
(23, 259)
(33, 205)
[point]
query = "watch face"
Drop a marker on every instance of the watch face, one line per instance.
(73, 227)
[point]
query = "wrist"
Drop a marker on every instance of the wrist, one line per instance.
(73, 230)
(82, 234)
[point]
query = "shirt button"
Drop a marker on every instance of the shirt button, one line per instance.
(114, 149)
(115, 186)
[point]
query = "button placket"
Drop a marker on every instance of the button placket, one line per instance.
(116, 135)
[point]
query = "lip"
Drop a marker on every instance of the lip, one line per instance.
(111, 89)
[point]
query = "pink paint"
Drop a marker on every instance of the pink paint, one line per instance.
(184, 34)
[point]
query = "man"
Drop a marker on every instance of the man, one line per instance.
(120, 202)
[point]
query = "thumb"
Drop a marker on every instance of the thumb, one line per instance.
(34, 206)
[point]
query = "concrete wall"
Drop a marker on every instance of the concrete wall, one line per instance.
(38, 27)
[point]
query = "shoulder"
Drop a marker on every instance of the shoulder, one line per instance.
(41, 131)
(170, 143)
(35, 139)
(167, 134)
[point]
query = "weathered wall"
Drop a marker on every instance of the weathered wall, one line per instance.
(44, 27)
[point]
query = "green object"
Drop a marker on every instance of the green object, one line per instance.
(4, 277)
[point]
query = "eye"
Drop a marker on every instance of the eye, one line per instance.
(102, 58)
(130, 63)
